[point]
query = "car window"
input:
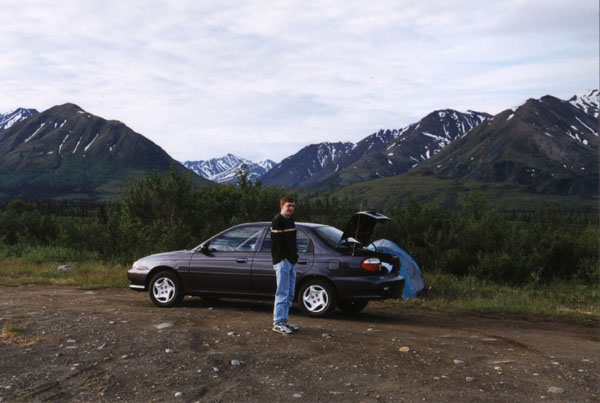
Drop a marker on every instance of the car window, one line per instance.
(302, 242)
(330, 235)
(239, 239)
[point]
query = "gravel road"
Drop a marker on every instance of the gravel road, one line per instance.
(67, 344)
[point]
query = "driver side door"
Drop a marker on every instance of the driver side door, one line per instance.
(226, 266)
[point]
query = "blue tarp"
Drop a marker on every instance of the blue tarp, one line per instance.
(413, 279)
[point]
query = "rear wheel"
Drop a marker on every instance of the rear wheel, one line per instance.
(352, 306)
(166, 289)
(317, 298)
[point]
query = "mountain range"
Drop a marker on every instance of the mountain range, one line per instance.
(225, 169)
(549, 145)
(545, 146)
(384, 153)
(68, 153)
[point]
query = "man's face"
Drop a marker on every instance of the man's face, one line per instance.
(287, 209)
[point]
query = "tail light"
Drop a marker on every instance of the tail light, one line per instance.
(371, 264)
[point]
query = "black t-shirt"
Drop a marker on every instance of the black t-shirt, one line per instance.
(283, 239)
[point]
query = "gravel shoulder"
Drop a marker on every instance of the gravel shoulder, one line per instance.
(107, 345)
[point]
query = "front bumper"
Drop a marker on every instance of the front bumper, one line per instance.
(137, 280)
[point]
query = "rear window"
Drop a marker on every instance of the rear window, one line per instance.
(330, 235)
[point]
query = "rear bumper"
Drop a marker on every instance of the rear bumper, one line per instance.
(370, 288)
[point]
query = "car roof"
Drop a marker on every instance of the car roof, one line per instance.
(303, 224)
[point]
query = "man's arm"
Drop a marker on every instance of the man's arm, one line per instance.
(276, 237)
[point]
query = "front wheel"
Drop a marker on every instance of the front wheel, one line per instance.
(317, 298)
(166, 289)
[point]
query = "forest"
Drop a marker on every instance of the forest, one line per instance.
(157, 213)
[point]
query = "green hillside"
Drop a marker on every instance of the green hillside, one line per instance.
(449, 193)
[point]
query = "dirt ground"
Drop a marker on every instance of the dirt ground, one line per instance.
(108, 345)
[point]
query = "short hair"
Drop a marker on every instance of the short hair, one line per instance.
(285, 199)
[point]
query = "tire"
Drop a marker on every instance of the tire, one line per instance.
(165, 289)
(351, 307)
(317, 298)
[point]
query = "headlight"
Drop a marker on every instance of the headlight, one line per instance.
(137, 266)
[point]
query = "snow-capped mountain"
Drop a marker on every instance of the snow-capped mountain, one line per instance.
(9, 119)
(547, 144)
(587, 102)
(68, 153)
(225, 169)
(312, 163)
(384, 153)
(417, 142)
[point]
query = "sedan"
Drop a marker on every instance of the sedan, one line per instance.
(335, 268)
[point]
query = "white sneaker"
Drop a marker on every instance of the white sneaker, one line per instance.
(281, 328)
(291, 326)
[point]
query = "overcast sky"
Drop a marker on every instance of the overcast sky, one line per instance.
(262, 79)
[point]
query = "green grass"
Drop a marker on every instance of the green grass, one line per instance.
(11, 330)
(16, 271)
(40, 254)
(468, 294)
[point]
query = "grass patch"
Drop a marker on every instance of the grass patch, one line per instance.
(16, 271)
(469, 294)
(40, 254)
(13, 333)
(11, 330)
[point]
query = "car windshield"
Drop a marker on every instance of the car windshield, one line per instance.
(332, 236)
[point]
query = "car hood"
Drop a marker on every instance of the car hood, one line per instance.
(163, 255)
(361, 225)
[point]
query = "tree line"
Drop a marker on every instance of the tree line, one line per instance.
(156, 213)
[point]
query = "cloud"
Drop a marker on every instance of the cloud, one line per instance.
(262, 79)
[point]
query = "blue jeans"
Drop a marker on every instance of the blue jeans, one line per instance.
(286, 285)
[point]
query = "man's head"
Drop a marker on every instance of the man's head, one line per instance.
(287, 205)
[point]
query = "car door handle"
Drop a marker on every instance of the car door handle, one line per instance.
(302, 261)
(241, 260)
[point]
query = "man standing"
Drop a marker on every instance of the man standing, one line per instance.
(285, 257)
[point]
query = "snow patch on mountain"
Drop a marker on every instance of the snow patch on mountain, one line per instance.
(327, 153)
(90, 143)
(28, 139)
(589, 102)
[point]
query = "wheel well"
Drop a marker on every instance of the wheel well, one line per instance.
(307, 279)
(159, 269)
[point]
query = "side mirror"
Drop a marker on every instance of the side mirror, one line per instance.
(205, 248)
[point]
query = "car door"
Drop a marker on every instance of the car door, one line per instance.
(263, 274)
(225, 265)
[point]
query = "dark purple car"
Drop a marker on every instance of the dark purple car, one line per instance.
(335, 269)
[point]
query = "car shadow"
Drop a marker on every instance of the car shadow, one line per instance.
(266, 306)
